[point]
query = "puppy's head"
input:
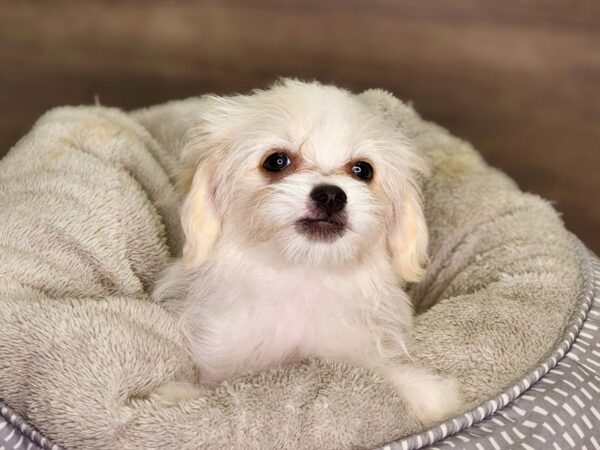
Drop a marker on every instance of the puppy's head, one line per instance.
(306, 172)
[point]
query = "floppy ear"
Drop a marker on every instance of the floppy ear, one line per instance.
(199, 219)
(408, 237)
(204, 148)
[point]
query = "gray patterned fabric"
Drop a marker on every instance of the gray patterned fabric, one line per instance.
(17, 434)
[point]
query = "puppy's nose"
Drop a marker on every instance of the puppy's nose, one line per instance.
(329, 198)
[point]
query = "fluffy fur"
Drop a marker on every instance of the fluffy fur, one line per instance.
(251, 290)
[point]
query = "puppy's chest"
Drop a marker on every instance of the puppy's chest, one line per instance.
(289, 314)
(304, 304)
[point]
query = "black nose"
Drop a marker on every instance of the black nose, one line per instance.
(329, 198)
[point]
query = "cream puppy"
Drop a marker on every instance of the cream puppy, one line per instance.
(303, 220)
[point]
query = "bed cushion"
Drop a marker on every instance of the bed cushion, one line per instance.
(88, 218)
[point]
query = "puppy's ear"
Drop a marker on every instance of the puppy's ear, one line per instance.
(408, 236)
(199, 158)
(199, 218)
(206, 147)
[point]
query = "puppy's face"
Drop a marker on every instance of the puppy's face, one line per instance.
(306, 172)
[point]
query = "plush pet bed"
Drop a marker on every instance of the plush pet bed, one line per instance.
(88, 218)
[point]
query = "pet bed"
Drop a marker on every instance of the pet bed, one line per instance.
(88, 218)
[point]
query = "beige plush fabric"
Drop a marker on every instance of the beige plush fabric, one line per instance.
(88, 217)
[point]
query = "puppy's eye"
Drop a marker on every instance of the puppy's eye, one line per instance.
(276, 162)
(362, 170)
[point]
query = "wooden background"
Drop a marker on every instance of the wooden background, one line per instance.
(519, 78)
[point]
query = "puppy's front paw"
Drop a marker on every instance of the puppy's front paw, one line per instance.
(174, 392)
(431, 397)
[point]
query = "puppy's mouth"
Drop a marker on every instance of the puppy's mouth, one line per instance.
(323, 228)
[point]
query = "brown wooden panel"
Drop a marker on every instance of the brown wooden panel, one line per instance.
(519, 79)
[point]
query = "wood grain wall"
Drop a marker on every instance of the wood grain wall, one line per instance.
(519, 78)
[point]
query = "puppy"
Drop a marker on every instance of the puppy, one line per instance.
(303, 220)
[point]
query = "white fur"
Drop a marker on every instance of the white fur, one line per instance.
(251, 291)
